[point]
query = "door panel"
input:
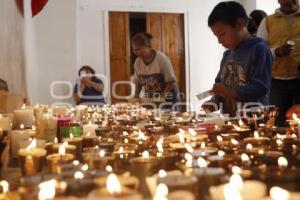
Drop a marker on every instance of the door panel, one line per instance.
(168, 37)
(119, 52)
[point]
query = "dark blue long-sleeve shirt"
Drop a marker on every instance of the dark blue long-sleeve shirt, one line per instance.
(247, 69)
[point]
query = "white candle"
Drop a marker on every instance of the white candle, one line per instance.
(89, 128)
(236, 189)
(16, 137)
(24, 116)
(60, 110)
(5, 123)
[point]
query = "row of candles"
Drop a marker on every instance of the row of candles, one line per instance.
(205, 156)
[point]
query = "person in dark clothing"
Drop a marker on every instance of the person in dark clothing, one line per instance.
(245, 71)
(89, 88)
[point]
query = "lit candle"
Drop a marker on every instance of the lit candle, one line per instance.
(89, 128)
(278, 193)
(76, 141)
(143, 166)
(89, 140)
(180, 182)
(238, 190)
(98, 161)
(17, 136)
(56, 160)
(24, 116)
(31, 159)
(59, 110)
(47, 190)
(114, 190)
(5, 194)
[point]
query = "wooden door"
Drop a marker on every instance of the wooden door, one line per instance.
(168, 36)
(119, 42)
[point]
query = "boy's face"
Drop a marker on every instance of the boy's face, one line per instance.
(228, 35)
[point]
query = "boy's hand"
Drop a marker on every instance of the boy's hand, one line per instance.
(223, 91)
(283, 50)
(209, 106)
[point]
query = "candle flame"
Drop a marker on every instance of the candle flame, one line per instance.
(32, 145)
(5, 186)
(113, 184)
(108, 168)
(261, 151)
(62, 150)
(217, 127)
(78, 175)
(102, 153)
(47, 190)
(202, 145)
(189, 148)
(189, 160)
(161, 192)
(219, 138)
(23, 106)
(234, 141)
(241, 123)
(121, 149)
(256, 134)
(230, 192)
(126, 141)
(76, 162)
(85, 167)
(221, 153)
(33, 127)
(141, 135)
(162, 173)
(55, 140)
(202, 163)
(125, 133)
(282, 162)
(146, 154)
(181, 137)
(192, 132)
(278, 193)
(22, 126)
(249, 147)
(236, 181)
(245, 157)
(160, 144)
(236, 170)
(71, 135)
(279, 142)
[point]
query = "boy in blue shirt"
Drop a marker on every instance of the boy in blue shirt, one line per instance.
(245, 71)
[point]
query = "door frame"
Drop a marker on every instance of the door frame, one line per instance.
(186, 45)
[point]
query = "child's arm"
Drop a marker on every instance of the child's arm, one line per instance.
(259, 77)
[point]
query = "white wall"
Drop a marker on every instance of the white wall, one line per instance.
(56, 46)
(268, 6)
(71, 33)
(204, 53)
(11, 47)
(249, 5)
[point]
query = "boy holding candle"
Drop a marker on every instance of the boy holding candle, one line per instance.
(245, 71)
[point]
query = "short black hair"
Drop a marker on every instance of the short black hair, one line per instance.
(227, 12)
(86, 68)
